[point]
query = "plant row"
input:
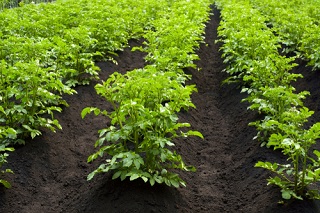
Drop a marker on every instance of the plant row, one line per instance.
(144, 120)
(47, 49)
(251, 50)
(296, 24)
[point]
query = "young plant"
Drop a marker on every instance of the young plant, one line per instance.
(273, 103)
(144, 123)
(295, 142)
(30, 95)
(3, 160)
(5, 132)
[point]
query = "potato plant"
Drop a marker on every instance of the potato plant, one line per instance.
(274, 102)
(295, 178)
(3, 160)
(296, 24)
(29, 94)
(171, 46)
(145, 102)
(139, 143)
(251, 51)
(5, 132)
(152, 122)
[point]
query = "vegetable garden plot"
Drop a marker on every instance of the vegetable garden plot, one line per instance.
(225, 180)
(47, 49)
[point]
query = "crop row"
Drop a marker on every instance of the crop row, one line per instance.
(47, 49)
(146, 102)
(250, 48)
(296, 24)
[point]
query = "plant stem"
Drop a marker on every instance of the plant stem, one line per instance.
(304, 170)
(296, 168)
(136, 141)
(135, 133)
(118, 117)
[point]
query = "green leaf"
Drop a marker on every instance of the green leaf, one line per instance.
(102, 132)
(260, 164)
(190, 168)
(169, 143)
(287, 141)
(152, 181)
(174, 183)
(127, 162)
(91, 158)
(145, 179)
(286, 194)
(87, 110)
(195, 133)
(289, 172)
(5, 183)
(183, 183)
(158, 179)
(137, 163)
(163, 157)
(317, 153)
(133, 177)
(11, 133)
(164, 172)
(34, 134)
(116, 175)
(96, 111)
(91, 175)
(9, 171)
(123, 175)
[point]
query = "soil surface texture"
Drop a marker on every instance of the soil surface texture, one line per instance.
(50, 171)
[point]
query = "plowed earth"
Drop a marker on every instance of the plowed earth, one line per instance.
(50, 171)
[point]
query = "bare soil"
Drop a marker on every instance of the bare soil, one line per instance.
(50, 171)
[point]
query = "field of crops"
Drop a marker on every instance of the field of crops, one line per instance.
(165, 106)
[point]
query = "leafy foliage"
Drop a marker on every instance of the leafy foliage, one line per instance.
(144, 121)
(251, 32)
(296, 24)
(295, 142)
(5, 132)
(47, 49)
(143, 125)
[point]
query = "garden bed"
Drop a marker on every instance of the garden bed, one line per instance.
(50, 171)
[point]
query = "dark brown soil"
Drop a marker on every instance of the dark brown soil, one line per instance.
(50, 171)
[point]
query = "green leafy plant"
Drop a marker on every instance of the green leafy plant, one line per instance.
(5, 132)
(251, 50)
(145, 102)
(295, 142)
(47, 48)
(3, 159)
(144, 123)
(173, 38)
(296, 25)
(273, 102)
(29, 100)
